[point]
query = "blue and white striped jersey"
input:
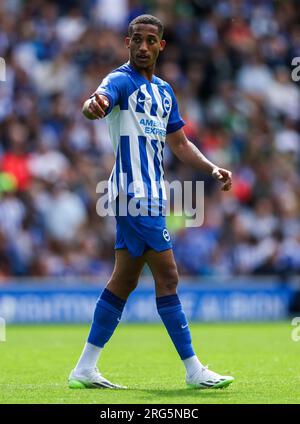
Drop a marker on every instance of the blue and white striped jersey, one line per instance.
(140, 115)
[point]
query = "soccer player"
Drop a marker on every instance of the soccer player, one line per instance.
(142, 114)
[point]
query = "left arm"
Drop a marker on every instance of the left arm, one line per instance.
(188, 153)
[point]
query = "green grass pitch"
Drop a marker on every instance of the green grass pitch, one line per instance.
(35, 362)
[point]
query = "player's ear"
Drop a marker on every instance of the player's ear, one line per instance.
(127, 42)
(162, 45)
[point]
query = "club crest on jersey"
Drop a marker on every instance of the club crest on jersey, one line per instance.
(166, 104)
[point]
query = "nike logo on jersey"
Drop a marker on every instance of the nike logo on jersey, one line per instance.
(143, 100)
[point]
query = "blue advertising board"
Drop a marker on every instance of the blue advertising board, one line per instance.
(207, 303)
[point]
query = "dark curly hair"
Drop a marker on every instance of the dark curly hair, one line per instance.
(146, 19)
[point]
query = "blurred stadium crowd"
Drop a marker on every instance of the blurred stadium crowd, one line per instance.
(229, 62)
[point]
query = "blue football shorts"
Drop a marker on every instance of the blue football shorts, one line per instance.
(140, 233)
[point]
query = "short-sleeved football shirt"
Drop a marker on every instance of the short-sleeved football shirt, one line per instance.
(140, 115)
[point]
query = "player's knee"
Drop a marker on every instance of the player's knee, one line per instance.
(172, 281)
(167, 281)
(122, 287)
(130, 283)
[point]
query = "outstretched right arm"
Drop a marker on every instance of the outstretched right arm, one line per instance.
(95, 107)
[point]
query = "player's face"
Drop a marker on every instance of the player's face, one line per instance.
(144, 45)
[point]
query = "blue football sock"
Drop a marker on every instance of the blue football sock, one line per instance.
(107, 315)
(173, 316)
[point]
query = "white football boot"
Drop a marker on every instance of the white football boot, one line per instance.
(207, 379)
(90, 379)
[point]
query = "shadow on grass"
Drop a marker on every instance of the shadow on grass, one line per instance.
(197, 395)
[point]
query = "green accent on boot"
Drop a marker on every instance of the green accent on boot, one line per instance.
(75, 384)
(220, 385)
